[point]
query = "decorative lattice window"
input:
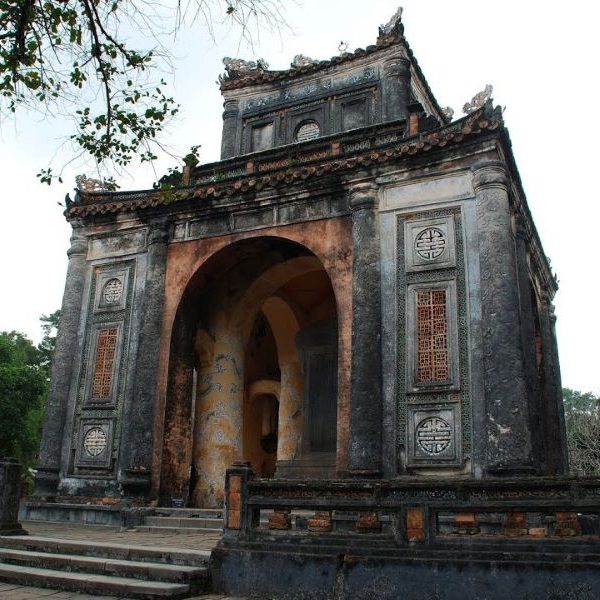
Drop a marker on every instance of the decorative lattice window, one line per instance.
(104, 363)
(432, 336)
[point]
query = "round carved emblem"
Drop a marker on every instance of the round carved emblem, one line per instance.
(430, 243)
(434, 435)
(113, 290)
(94, 442)
(309, 130)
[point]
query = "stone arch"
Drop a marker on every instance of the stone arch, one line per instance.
(209, 335)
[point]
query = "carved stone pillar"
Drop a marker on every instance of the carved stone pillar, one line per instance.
(49, 463)
(396, 89)
(229, 141)
(364, 457)
(556, 435)
(528, 333)
(139, 415)
(509, 447)
(219, 416)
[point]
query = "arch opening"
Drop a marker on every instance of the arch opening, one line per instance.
(252, 371)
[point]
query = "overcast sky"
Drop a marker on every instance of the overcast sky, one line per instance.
(541, 58)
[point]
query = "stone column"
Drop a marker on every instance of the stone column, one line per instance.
(509, 448)
(229, 141)
(527, 320)
(396, 89)
(138, 420)
(67, 343)
(364, 458)
(557, 454)
(219, 422)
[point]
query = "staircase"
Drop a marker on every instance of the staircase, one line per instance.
(184, 520)
(104, 568)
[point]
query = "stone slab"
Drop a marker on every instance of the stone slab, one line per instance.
(91, 564)
(86, 582)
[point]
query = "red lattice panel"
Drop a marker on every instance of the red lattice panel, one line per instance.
(432, 336)
(105, 358)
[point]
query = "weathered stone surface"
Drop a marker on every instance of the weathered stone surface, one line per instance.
(139, 414)
(63, 375)
(509, 447)
(366, 403)
(10, 494)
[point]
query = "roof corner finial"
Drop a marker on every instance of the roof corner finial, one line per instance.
(393, 27)
(479, 100)
(343, 47)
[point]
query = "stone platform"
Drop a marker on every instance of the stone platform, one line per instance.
(413, 539)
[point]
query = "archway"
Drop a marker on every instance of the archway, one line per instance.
(255, 328)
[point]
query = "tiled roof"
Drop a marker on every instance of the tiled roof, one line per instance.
(384, 41)
(371, 146)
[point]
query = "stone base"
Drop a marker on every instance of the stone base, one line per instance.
(62, 512)
(286, 575)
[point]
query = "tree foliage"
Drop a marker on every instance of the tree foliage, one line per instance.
(24, 376)
(48, 343)
(23, 385)
(582, 419)
(96, 60)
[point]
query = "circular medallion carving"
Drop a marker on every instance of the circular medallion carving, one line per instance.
(430, 243)
(309, 130)
(94, 442)
(434, 435)
(113, 291)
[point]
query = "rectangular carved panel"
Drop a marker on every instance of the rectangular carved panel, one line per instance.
(106, 350)
(432, 336)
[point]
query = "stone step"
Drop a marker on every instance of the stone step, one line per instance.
(184, 522)
(181, 513)
(91, 583)
(153, 554)
(104, 566)
(173, 529)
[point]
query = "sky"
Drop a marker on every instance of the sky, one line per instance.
(541, 58)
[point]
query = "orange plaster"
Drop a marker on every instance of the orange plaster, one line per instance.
(331, 242)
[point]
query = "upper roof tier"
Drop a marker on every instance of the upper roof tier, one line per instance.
(266, 109)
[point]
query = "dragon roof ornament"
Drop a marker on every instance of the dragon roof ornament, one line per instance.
(478, 100)
(301, 60)
(237, 67)
(393, 28)
(87, 184)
